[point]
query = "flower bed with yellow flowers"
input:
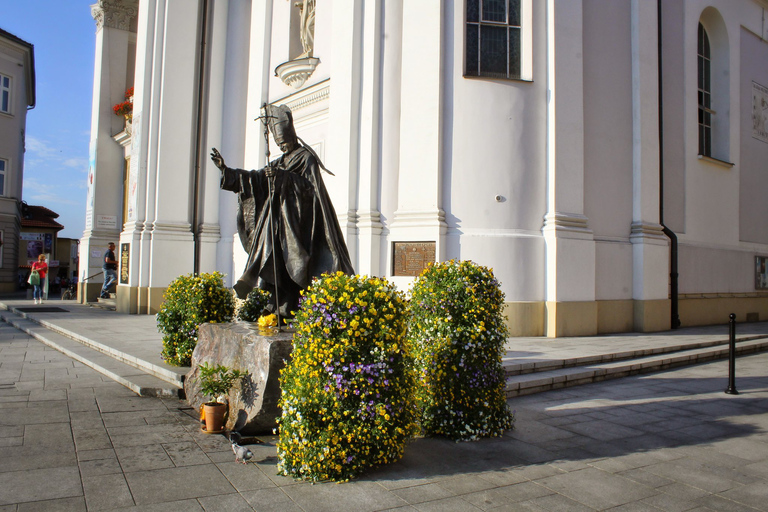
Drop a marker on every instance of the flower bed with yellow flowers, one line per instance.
(457, 332)
(189, 301)
(347, 392)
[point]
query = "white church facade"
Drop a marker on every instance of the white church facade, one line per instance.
(607, 159)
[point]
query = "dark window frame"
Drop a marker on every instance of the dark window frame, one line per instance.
(5, 93)
(704, 91)
(493, 39)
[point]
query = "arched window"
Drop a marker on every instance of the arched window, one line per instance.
(713, 87)
(705, 93)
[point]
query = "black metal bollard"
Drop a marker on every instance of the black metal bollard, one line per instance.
(731, 389)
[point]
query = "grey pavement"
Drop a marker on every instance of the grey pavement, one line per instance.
(71, 439)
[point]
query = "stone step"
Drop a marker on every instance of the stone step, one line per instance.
(512, 368)
(172, 376)
(107, 361)
(561, 376)
(108, 304)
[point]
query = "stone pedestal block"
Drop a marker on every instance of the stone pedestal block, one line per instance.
(253, 403)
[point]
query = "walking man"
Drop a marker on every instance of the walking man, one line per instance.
(110, 271)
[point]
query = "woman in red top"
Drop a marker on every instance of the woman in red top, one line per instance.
(41, 268)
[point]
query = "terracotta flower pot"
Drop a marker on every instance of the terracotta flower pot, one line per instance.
(214, 416)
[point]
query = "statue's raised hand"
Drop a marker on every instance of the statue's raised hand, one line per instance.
(218, 160)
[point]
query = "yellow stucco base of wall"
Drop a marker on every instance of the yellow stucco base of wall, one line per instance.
(139, 300)
(9, 287)
(559, 319)
(714, 309)
(127, 299)
(88, 292)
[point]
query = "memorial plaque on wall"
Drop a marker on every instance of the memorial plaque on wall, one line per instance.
(125, 259)
(410, 258)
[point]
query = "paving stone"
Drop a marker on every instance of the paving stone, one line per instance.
(106, 492)
(83, 455)
(245, 477)
(60, 505)
(53, 436)
(271, 500)
(720, 504)
(60, 482)
(556, 503)
(754, 494)
(167, 506)
(98, 467)
(693, 473)
(455, 504)
(502, 496)
(645, 477)
(355, 495)
(177, 484)
(225, 503)
(40, 414)
(597, 489)
(422, 493)
(143, 458)
(92, 439)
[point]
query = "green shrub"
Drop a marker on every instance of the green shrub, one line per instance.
(189, 301)
(217, 380)
(457, 332)
(347, 392)
(253, 306)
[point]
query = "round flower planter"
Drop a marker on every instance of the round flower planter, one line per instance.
(214, 417)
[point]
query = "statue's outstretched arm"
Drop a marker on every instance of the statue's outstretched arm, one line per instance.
(218, 160)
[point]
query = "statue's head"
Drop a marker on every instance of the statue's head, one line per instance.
(281, 126)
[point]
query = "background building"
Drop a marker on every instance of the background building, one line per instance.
(39, 235)
(17, 95)
(607, 159)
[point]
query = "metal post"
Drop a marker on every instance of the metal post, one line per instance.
(731, 390)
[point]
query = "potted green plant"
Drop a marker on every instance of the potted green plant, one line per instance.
(215, 383)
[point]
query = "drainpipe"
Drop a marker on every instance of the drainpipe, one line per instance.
(199, 138)
(673, 275)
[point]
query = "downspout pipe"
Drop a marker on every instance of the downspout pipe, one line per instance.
(196, 200)
(673, 275)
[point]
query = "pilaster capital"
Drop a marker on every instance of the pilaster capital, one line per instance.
(117, 14)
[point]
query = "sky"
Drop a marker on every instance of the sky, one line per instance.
(58, 128)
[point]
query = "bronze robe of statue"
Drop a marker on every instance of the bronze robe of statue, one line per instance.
(307, 237)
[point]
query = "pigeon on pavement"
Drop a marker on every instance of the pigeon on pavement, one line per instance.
(242, 453)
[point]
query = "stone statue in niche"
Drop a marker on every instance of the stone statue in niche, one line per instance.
(285, 218)
(307, 27)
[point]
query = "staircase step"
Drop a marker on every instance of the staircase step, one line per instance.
(108, 304)
(175, 378)
(561, 376)
(139, 381)
(512, 368)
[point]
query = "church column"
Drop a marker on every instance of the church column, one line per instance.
(571, 309)
(113, 72)
(344, 115)
(219, 24)
(650, 265)
(171, 150)
(419, 216)
(368, 212)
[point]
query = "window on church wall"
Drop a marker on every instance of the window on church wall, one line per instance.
(3, 168)
(713, 88)
(705, 92)
(493, 39)
(5, 94)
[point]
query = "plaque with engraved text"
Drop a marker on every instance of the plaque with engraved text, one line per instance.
(410, 258)
(125, 258)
